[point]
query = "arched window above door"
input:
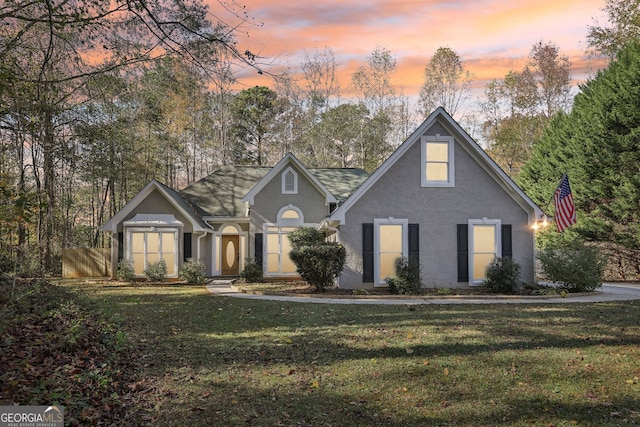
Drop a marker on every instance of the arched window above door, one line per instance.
(290, 215)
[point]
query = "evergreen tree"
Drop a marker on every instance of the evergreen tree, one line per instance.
(254, 112)
(598, 144)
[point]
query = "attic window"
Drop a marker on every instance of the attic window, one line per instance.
(289, 181)
(437, 161)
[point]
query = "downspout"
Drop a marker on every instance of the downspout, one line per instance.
(198, 245)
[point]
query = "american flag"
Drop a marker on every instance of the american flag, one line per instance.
(565, 208)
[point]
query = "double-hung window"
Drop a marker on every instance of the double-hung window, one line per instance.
(391, 242)
(437, 163)
(484, 246)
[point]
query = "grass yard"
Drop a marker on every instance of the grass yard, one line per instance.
(219, 361)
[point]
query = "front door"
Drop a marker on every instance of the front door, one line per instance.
(230, 255)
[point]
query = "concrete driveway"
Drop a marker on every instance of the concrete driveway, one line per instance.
(607, 292)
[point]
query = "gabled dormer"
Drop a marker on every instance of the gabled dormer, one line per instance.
(289, 171)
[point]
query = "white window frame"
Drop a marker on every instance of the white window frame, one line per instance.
(497, 223)
(284, 181)
(268, 230)
(146, 230)
(425, 140)
(377, 222)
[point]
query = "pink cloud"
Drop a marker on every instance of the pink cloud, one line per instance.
(493, 36)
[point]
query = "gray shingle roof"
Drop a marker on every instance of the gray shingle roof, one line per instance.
(184, 204)
(219, 194)
(340, 182)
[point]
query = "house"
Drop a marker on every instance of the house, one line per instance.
(438, 197)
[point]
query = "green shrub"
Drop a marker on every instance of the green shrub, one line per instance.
(319, 262)
(578, 268)
(408, 280)
(156, 272)
(125, 270)
(193, 272)
(20, 262)
(503, 276)
(252, 272)
(305, 236)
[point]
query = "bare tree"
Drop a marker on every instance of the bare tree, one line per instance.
(624, 26)
(372, 81)
(517, 108)
(320, 79)
(446, 83)
(551, 72)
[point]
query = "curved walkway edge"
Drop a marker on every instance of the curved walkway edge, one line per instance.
(607, 292)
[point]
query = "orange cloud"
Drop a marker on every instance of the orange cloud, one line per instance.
(492, 36)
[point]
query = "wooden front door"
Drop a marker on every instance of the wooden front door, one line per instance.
(230, 255)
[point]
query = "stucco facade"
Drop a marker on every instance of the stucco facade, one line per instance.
(398, 194)
(438, 197)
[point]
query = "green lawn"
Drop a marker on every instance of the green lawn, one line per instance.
(211, 360)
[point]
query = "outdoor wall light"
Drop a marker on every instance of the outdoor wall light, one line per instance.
(541, 223)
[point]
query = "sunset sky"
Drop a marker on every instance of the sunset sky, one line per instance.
(492, 36)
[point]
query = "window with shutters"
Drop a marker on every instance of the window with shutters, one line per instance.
(437, 163)
(289, 181)
(484, 245)
(390, 243)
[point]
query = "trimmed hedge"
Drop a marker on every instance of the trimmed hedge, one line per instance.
(319, 262)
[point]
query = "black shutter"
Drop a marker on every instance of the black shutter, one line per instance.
(414, 241)
(120, 246)
(257, 250)
(186, 246)
(367, 252)
(507, 247)
(463, 253)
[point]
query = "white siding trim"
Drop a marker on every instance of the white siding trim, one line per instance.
(498, 242)
(450, 182)
(377, 280)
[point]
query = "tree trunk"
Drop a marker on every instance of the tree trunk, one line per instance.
(48, 144)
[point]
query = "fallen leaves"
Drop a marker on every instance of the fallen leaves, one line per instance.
(56, 349)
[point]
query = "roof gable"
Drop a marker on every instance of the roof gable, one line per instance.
(274, 173)
(467, 143)
(172, 196)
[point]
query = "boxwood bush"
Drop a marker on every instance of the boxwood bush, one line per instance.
(408, 277)
(252, 272)
(577, 268)
(193, 272)
(156, 272)
(319, 262)
(125, 271)
(503, 276)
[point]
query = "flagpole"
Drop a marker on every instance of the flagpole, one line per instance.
(546, 209)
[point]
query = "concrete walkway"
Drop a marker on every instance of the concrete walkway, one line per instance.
(608, 292)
